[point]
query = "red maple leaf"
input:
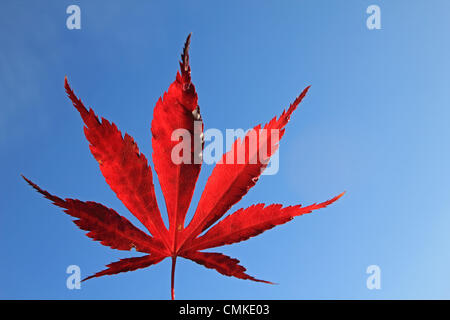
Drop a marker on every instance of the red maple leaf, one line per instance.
(128, 174)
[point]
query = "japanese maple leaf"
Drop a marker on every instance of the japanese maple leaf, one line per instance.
(127, 172)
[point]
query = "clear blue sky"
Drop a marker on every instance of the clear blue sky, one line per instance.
(375, 123)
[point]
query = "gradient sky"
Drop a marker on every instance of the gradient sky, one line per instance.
(375, 123)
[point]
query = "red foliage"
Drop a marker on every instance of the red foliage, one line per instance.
(128, 174)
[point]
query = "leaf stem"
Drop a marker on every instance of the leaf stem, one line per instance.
(172, 281)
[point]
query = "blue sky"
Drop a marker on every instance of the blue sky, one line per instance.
(375, 123)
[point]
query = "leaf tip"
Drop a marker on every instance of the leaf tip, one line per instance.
(269, 282)
(185, 54)
(67, 86)
(66, 82)
(341, 194)
(26, 179)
